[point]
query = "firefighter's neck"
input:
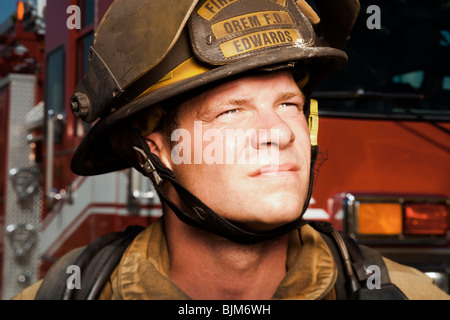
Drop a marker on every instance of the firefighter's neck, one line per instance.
(207, 266)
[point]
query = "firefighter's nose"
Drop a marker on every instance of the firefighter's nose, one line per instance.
(272, 131)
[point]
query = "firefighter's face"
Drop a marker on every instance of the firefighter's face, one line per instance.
(244, 150)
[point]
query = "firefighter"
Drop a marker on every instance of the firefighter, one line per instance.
(211, 100)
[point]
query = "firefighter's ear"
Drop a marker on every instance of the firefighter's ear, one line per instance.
(158, 146)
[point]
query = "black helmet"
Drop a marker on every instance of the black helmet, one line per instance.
(149, 51)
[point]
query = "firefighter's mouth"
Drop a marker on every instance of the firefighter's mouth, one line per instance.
(274, 170)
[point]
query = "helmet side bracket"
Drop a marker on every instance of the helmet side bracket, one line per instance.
(95, 92)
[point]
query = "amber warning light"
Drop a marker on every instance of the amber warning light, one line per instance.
(20, 10)
(380, 218)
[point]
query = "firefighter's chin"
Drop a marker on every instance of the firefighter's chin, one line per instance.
(266, 224)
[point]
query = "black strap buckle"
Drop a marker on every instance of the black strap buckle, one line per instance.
(148, 166)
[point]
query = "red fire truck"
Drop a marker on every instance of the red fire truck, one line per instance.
(385, 135)
(383, 173)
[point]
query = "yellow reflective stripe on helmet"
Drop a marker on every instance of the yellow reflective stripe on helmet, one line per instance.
(308, 11)
(313, 121)
(185, 70)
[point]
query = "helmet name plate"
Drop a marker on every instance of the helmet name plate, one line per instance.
(244, 28)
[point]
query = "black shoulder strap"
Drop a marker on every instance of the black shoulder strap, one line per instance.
(54, 284)
(96, 262)
(356, 264)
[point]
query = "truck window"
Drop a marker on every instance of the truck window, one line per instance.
(401, 69)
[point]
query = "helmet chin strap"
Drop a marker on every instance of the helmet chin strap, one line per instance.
(202, 216)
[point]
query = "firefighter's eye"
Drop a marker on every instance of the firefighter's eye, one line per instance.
(228, 112)
(292, 105)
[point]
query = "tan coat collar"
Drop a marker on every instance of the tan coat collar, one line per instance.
(143, 273)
